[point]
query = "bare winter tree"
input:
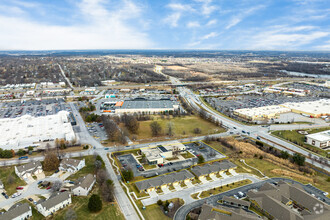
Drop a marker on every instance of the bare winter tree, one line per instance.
(56, 186)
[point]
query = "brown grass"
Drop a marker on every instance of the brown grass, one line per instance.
(287, 173)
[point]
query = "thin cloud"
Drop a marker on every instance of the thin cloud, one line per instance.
(243, 14)
(193, 24)
(101, 29)
(212, 22)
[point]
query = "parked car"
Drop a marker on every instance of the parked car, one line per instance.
(56, 171)
(30, 199)
(19, 187)
(23, 158)
(49, 187)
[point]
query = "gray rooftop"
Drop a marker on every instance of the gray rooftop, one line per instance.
(141, 103)
(15, 211)
(225, 213)
(55, 199)
(85, 182)
(165, 179)
(235, 201)
(70, 161)
(274, 199)
(211, 168)
(29, 166)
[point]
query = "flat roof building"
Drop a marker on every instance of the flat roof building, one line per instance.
(320, 139)
(265, 112)
(313, 108)
(142, 105)
(27, 130)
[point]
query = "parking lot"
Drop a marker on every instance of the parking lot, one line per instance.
(97, 131)
(198, 148)
(34, 108)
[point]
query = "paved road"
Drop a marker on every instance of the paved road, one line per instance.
(121, 198)
(184, 210)
(254, 131)
(185, 193)
(31, 190)
(66, 78)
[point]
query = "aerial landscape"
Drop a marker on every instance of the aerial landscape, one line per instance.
(184, 110)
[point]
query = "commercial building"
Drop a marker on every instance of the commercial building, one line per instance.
(54, 203)
(314, 109)
(17, 212)
(71, 165)
(213, 169)
(157, 154)
(147, 106)
(290, 202)
(320, 139)
(261, 113)
(27, 130)
(164, 181)
(209, 212)
(84, 185)
(26, 171)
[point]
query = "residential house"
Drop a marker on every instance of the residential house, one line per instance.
(148, 185)
(17, 212)
(213, 169)
(84, 185)
(56, 202)
(71, 165)
(235, 202)
(209, 212)
(27, 170)
(286, 201)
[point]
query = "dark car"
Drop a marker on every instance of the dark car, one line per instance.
(56, 171)
(30, 199)
(39, 182)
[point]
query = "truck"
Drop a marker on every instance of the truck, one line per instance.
(23, 157)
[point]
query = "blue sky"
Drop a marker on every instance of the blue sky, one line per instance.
(165, 24)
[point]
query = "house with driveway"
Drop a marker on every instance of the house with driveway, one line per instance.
(84, 185)
(163, 181)
(17, 212)
(71, 165)
(26, 171)
(213, 169)
(55, 202)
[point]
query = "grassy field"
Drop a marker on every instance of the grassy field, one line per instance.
(224, 188)
(295, 137)
(80, 206)
(10, 185)
(183, 127)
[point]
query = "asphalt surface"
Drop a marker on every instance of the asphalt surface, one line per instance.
(213, 200)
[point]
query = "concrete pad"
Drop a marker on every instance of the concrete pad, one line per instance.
(223, 175)
(40, 176)
(189, 184)
(204, 180)
(64, 176)
(166, 190)
(214, 178)
(178, 187)
(153, 194)
(234, 173)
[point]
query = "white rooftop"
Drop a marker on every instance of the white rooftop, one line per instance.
(321, 136)
(321, 106)
(24, 131)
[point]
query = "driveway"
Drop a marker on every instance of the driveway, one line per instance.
(178, 187)
(214, 178)
(166, 190)
(153, 194)
(233, 172)
(223, 175)
(185, 193)
(189, 184)
(204, 180)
